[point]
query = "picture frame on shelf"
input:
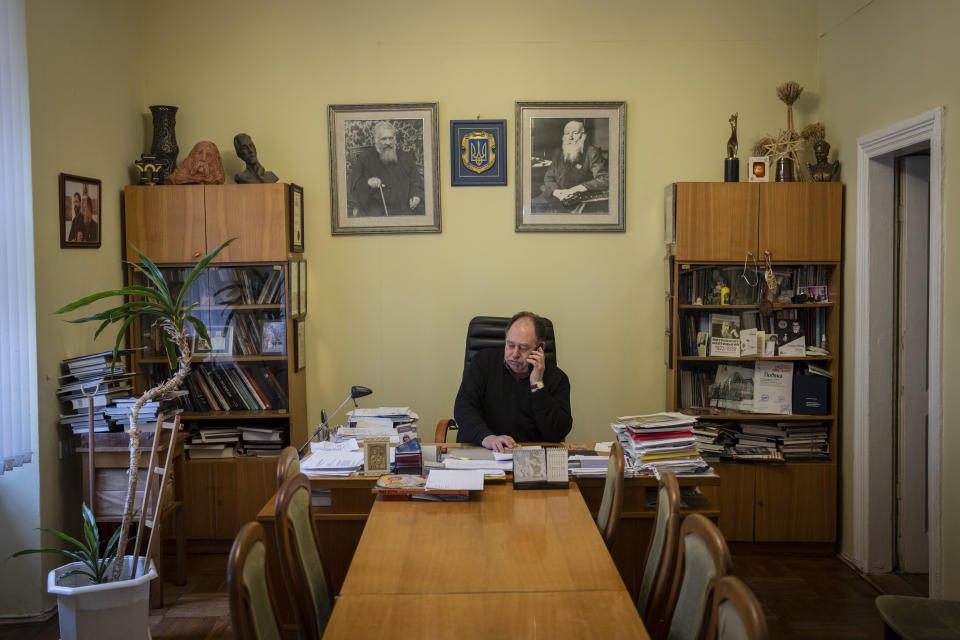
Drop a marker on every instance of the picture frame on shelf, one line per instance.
(299, 345)
(384, 168)
(274, 337)
(571, 166)
(296, 218)
(221, 341)
(80, 212)
(303, 288)
(478, 153)
(759, 169)
(293, 286)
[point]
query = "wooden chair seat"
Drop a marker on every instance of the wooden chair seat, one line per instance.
(911, 617)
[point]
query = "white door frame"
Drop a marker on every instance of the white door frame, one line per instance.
(873, 549)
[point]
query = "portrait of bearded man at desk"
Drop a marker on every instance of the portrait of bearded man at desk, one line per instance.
(577, 174)
(385, 179)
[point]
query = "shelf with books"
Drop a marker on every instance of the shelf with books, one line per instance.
(753, 340)
(220, 359)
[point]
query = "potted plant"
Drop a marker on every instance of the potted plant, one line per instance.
(150, 302)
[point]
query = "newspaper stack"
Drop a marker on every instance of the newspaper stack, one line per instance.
(660, 442)
(91, 375)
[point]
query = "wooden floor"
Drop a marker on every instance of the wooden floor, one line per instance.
(802, 597)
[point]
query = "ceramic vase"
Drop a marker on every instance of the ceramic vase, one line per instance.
(164, 144)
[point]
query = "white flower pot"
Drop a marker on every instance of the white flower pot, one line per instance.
(102, 611)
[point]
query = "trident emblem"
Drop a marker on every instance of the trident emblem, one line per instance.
(478, 151)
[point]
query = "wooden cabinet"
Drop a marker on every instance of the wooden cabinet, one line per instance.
(180, 224)
(247, 377)
(714, 227)
(720, 221)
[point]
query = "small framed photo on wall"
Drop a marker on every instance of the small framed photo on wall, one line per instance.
(293, 277)
(478, 153)
(300, 345)
(571, 166)
(296, 218)
(384, 168)
(80, 200)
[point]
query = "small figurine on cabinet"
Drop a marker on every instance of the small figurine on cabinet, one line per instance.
(731, 165)
(247, 151)
(823, 170)
(716, 294)
(202, 166)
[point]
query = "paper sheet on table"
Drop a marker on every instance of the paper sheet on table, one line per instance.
(453, 463)
(349, 444)
(506, 455)
(455, 479)
(332, 462)
(603, 447)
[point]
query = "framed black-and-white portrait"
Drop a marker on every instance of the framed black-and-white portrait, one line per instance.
(571, 166)
(296, 218)
(384, 168)
(79, 212)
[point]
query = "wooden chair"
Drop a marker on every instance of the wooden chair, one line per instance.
(611, 505)
(661, 557)
(736, 613)
(252, 607)
(912, 617)
(702, 557)
(303, 571)
(288, 465)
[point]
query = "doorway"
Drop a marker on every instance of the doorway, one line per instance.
(897, 392)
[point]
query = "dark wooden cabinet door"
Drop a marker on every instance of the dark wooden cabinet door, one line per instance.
(801, 221)
(716, 221)
(796, 502)
(255, 214)
(165, 223)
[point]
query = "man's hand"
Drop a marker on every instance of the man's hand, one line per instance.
(414, 201)
(499, 443)
(374, 183)
(536, 359)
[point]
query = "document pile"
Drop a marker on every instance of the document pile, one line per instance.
(333, 459)
(491, 463)
(660, 442)
(587, 464)
(90, 375)
(398, 423)
(212, 442)
(758, 441)
(262, 442)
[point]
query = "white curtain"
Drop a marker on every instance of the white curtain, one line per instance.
(18, 337)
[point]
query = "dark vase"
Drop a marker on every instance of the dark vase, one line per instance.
(164, 138)
(784, 172)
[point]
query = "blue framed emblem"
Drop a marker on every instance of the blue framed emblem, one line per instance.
(478, 155)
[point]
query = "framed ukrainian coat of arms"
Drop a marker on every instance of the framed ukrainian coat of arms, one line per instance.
(478, 153)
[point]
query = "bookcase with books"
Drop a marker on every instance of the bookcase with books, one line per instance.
(753, 296)
(245, 395)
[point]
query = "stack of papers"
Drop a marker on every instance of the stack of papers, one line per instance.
(332, 463)
(447, 480)
(660, 442)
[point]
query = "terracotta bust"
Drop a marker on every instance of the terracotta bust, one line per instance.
(201, 166)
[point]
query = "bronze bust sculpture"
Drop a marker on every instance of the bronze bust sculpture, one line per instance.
(823, 170)
(732, 142)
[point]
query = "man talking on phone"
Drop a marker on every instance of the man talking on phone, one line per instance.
(514, 396)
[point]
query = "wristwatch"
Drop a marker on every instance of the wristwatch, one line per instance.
(536, 386)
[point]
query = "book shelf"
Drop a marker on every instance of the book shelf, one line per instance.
(246, 376)
(720, 237)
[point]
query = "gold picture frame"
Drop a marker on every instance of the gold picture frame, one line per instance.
(376, 455)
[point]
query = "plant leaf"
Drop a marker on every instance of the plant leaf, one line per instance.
(198, 269)
(200, 328)
(157, 278)
(81, 572)
(65, 538)
(70, 554)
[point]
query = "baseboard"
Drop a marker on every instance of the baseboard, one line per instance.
(40, 617)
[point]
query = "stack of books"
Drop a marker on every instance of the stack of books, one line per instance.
(805, 441)
(660, 442)
(91, 375)
(409, 457)
(709, 439)
(262, 442)
(233, 387)
(397, 423)
(213, 442)
(757, 441)
(118, 414)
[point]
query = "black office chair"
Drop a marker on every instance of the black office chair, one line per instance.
(485, 332)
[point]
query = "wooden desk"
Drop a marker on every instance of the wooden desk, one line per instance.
(536, 558)
(544, 614)
(501, 540)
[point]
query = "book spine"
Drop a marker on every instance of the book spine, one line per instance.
(248, 388)
(252, 383)
(216, 386)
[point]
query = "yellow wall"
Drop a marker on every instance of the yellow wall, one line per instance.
(391, 312)
(85, 94)
(882, 62)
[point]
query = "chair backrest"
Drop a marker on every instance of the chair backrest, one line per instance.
(702, 556)
(608, 517)
(661, 557)
(485, 332)
(736, 613)
(288, 464)
(252, 610)
(303, 571)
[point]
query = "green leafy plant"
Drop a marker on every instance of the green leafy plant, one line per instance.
(152, 303)
(95, 560)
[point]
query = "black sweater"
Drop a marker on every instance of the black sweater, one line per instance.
(492, 402)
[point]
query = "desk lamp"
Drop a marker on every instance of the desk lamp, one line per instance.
(355, 392)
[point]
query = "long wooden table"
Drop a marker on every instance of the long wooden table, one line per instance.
(506, 564)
